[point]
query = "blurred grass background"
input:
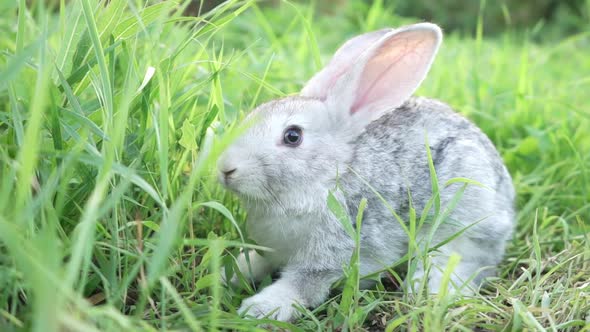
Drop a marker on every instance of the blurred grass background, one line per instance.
(563, 16)
(112, 114)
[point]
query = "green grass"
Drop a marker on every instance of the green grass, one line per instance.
(111, 117)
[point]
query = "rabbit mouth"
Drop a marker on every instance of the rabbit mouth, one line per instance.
(244, 186)
(229, 182)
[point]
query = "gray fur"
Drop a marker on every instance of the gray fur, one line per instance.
(404, 132)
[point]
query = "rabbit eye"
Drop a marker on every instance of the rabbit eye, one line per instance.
(293, 136)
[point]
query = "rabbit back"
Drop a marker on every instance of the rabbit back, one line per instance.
(391, 156)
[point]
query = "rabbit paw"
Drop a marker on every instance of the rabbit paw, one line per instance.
(254, 268)
(273, 302)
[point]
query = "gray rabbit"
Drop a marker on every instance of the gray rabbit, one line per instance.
(355, 127)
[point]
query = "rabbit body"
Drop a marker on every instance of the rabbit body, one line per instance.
(362, 140)
(391, 157)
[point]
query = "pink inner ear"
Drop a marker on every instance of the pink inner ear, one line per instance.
(395, 70)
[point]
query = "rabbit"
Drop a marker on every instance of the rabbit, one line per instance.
(356, 130)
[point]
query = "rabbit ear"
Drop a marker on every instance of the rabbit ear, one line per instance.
(317, 87)
(377, 72)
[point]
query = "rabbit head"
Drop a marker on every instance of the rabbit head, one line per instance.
(294, 146)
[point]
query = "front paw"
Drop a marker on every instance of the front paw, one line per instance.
(266, 305)
(234, 281)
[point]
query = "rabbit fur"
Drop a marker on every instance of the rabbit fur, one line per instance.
(363, 135)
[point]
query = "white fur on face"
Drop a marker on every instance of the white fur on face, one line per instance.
(268, 170)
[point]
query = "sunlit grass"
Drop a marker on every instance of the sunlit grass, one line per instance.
(111, 118)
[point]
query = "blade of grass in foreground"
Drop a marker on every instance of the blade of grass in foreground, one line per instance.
(115, 126)
(28, 157)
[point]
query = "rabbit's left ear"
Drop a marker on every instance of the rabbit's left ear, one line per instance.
(381, 77)
(342, 61)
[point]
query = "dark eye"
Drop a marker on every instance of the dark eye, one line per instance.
(293, 136)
